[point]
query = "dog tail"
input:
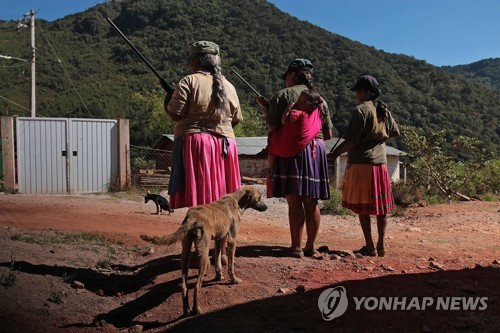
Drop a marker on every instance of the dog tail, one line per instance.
(167, 239)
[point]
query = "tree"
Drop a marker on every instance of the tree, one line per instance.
(450, 172)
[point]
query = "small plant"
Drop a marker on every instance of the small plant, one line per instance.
(104, 263)
(334, 204)
(435, 199)
(490, 197)
(405, 194)
(68, 278)
(9, 280)
(398, 211)
(58, 297)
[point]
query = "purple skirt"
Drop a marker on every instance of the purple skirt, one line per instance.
(305, 174)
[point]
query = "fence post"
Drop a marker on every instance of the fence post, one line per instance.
(123, 154)
(8, 153)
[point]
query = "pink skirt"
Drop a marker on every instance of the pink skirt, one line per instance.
(367, 189)
(208, 174)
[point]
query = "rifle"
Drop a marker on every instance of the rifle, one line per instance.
(250, 86)
(245, 81)
(163, 83)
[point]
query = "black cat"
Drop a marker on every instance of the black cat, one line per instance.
(160, 202)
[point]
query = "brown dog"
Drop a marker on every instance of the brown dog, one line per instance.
(202, 224)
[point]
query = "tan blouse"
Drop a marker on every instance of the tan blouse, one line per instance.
(191, 101)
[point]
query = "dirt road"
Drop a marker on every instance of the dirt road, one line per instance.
(77, 264)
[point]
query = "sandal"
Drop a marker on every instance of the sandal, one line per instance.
(366, 252)
(296, 253)
(309, 252)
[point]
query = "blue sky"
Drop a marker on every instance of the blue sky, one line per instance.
(441, 32)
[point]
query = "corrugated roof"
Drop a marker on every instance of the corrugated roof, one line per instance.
(254, 145)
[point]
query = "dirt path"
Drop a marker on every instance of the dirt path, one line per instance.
(435, 252)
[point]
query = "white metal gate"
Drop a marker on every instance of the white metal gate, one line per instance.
(59, 155)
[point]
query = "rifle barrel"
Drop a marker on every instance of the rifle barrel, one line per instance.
(248, 84)
(164, 84)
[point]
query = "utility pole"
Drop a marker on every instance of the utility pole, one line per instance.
(32, 47)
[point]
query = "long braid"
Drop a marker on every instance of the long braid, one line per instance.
(212, 63)
(218, 91)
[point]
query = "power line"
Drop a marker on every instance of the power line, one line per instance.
(66, 73)
(18, 105)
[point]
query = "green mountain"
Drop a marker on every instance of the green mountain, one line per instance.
(84, 69)
(486, 72)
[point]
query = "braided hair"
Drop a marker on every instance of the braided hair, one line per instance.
(212, 63)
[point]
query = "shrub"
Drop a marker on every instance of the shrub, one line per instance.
(334, 204)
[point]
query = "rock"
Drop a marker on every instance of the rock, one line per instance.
(335, 257)
(136, 329)
(283, 290)
(149, 252)
(436, 265)
(496, 262)
(77, 285)
(323, 249)
(344, 253)
(317, 256)
(300, 289)
(387, 268)
(422, 203)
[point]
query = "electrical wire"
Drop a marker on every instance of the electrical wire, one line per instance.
(66, 73)
(18, 105)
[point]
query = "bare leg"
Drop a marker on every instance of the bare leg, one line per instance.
(381, 226)
(296, 219)
(313, 219)
(365, 222)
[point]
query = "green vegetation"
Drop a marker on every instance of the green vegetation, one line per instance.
(485, 72)
(64, 238)
(84, 69)
(334, 204)
(464, 170)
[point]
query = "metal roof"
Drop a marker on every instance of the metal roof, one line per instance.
(254, 145)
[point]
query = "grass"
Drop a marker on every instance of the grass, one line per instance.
(334, 204)
(83, 239)
(65, 238)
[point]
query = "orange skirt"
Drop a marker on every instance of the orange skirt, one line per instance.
(367, 189)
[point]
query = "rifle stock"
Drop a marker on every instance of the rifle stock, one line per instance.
(163, 83)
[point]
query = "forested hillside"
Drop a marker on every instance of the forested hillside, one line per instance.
(84, 69)
(486, 72)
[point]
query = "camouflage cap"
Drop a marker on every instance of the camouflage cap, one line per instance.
(299, 64)
(204, 47)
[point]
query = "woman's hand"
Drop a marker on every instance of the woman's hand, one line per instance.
(264, 106)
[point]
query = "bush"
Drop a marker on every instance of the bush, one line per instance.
(406, 194)
(334, 204)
